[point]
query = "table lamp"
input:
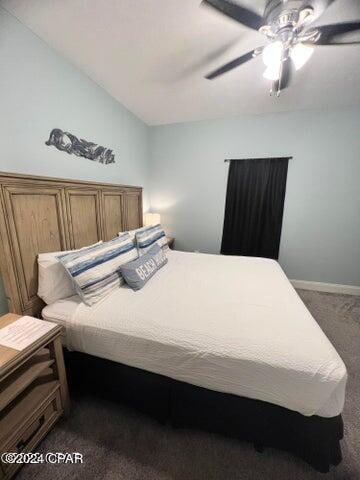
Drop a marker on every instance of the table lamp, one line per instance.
(151, 219)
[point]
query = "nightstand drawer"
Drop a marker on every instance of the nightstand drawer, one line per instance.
(33, 430)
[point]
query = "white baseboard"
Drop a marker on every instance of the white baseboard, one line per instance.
(326, 287)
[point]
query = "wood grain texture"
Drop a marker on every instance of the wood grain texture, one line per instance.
(113, 217)
(40, 214)
(84, 217)
(132, 210)
(30, 434)
(56, 353)
(36, 224)
(14, 385)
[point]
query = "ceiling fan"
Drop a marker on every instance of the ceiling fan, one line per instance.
(288, 26)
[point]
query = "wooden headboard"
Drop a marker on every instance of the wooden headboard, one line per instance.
(41, 214)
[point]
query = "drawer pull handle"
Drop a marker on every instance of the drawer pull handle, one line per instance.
(22, 443)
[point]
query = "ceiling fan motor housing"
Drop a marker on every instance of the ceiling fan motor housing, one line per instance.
(282, 15)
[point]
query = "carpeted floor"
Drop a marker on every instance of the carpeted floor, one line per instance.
(118, 443)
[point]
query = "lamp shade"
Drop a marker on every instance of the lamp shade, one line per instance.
(151, 218)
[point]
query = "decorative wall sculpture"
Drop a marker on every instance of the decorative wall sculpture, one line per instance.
(67, 142)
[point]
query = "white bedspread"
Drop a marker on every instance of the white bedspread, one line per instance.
(230, 324)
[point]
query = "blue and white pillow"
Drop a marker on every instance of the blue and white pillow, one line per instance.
(95, 271)
(133, 233)
(137, 273)
(146, 238)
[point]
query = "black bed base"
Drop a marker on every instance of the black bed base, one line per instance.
(314, 439)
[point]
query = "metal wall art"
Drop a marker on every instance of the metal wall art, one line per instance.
(67, 142)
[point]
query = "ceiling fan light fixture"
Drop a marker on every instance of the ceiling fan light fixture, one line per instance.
(272, 54)
(266, 30)
(306, 16)
(272, 58)
(272, 73)
(300, 54)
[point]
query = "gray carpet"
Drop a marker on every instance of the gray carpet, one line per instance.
(118, 443)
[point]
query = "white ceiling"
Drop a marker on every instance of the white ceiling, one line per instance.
(152, 55)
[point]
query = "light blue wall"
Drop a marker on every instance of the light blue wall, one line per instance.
(321, 227)
(40, 91)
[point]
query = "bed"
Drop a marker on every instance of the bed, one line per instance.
(229, 324)
(222, 343)
(228, 346)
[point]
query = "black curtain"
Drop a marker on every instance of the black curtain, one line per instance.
(254, 207)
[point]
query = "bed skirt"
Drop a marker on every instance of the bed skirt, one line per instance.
(314, 439)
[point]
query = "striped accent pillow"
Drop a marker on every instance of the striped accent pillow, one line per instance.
(133, 233)
(146, 238)
(95, 272)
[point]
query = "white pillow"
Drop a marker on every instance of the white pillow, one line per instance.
(54, 281)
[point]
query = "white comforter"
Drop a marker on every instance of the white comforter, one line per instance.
(230, 324)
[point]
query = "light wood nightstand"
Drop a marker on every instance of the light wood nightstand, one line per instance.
(33, 392)
(171, 242)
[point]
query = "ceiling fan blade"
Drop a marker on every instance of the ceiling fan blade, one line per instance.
(233, 64)
(332, 44)
(236, 12)
(336, 34)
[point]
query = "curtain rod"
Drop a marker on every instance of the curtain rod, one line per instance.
(261, 158)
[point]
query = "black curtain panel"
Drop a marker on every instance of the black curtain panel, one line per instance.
(254, 207)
